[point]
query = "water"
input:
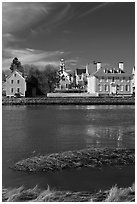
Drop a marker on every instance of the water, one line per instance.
(30, 130)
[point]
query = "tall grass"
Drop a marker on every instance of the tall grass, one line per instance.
(115, 194)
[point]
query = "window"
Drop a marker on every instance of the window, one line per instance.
(100, 79)
(15, 75)
(99, 88)
(105, 71)
(121, 88)
(18, 81)
(18, 90)
(11, 90)
(12, 81)
(127, 87)
(113, 79)
(106, 87)
(123, 78)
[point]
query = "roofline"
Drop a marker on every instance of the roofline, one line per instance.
(13, 72)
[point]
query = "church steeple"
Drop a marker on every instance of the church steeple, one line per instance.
(62, 65)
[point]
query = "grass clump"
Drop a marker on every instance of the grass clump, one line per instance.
(115, 194)
(121, 194)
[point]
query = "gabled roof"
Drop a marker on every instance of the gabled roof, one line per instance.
(13, 73)
(111, 71)
(91, 68)
(81, 71)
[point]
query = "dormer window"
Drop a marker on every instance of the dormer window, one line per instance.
(110, 71)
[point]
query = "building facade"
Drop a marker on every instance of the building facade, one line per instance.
(15, 84)
(81, 77)
(109, 80)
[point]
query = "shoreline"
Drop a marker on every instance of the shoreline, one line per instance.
(69, 101)
(92, 157)
(35, 194)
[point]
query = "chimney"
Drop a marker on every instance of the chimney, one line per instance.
(98, 65)
(87, 69)
(121, 65)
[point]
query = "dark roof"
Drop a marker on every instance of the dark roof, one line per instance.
(92, 68)
(81, 71)
(110, 71)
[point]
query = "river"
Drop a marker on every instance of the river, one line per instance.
(32, 130)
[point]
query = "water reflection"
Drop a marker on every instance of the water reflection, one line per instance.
(115, 136)
(31, 130)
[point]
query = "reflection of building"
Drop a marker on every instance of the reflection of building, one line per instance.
(65, 76)
(15, 84)
(109, 80)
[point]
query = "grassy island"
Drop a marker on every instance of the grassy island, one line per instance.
(91, 157)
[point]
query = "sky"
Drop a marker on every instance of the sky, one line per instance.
(42, 33)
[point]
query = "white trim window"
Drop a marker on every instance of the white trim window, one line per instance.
(12, 90)
(121, 88)
(18, 90)
(99, 87)
(106, 87)
(12, 81)
(127, 87)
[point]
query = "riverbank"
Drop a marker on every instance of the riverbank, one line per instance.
(115, 194)
(69, 101)
(92, 157)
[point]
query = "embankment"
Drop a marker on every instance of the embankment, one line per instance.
(69, 101)
(91, 157)
(115, 194)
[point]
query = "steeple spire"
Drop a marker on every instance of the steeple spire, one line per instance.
(62, 65)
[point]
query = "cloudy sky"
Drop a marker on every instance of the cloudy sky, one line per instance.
(42, 33)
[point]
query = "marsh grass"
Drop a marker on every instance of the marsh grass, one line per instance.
(91, 157)
(115, 194)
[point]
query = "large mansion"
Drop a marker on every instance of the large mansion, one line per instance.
(100, 80)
